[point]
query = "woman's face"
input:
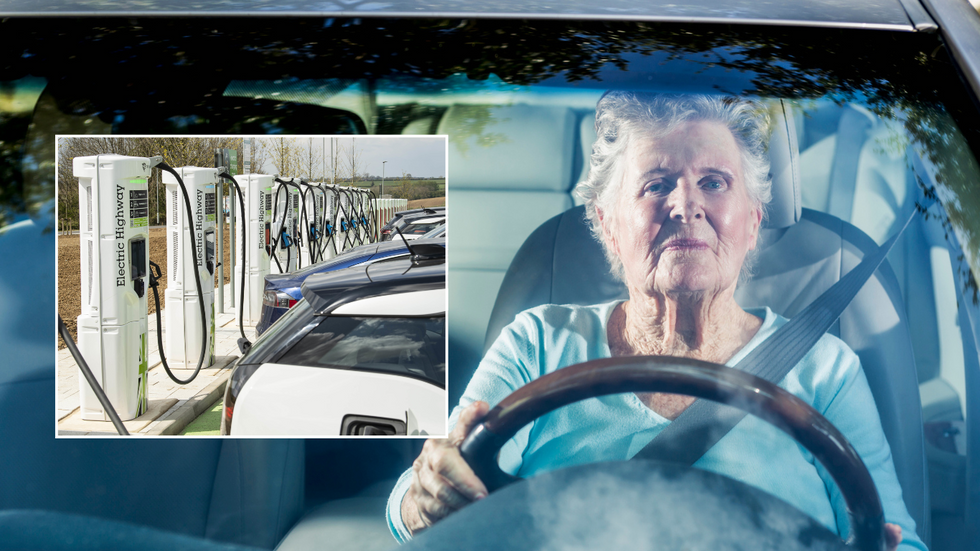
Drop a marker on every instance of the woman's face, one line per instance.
(683, 220)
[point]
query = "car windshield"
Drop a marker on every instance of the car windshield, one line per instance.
(884, 127)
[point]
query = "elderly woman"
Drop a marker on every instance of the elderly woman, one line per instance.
(676, 193)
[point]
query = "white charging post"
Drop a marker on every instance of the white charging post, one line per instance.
(114, 238)
(184, 334)
(334, 201)
(288, 206)
(329, 230)
(314, 207)
(322, 209)
(257, 194)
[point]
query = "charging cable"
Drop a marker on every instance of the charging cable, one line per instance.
(241, 300)
(158, 162)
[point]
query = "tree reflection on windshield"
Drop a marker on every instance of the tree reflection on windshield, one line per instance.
(906, 77)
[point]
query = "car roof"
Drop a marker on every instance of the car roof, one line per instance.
(363, 252)
(411, 212)
(879, 14)
(408, 217)
(326, 292)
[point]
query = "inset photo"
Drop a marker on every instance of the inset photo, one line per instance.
(251, 286)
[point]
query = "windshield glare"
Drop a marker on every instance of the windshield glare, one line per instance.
(883, 131)
(524, 116)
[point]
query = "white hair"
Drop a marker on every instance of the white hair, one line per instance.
(621, 115)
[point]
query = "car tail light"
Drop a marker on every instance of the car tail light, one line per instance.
(228, 410)
(278, 299)
(239, 376)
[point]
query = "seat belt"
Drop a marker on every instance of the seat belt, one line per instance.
(704, 422)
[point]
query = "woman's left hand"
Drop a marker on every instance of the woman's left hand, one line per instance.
(893, 536)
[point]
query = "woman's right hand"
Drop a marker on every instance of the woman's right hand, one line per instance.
(442, 482)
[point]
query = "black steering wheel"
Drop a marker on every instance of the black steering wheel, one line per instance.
(676, 376)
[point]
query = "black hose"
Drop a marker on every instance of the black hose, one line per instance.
(318, 224)
(241, 300)
(331, 229)
(321, 223)
(275, 242)
(305, 222)
(374, 216)
(360, 216)
(90, 377)
(350, 202)
(299, 257)
(297, 227)
(197, 282)
(358, 213)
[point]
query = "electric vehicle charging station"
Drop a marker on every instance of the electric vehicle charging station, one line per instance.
(344, 226)
(308, 222)
(334, 242)
(184, 334)
(367, 216)
(328, 243)
(257, 192)
(318, 222)
(315, 204)
(114, 238)
(285, 226)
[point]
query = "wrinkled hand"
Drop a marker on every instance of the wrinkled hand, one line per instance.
(442, 482)
(893, 536)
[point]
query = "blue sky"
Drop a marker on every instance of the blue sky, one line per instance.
(415, 155)
(420, 156)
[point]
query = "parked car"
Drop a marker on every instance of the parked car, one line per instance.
(283, 291)
(421, 226)
(403, 218)
(884, 97)
(364, 353)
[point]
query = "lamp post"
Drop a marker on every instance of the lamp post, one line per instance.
(383, 178)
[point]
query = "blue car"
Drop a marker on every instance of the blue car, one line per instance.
(282, 291)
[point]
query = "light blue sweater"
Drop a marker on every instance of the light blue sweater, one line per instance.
(616, 427)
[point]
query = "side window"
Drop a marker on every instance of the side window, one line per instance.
(413, 347)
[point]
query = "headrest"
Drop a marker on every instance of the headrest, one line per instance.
(786, 206)
(520, 147)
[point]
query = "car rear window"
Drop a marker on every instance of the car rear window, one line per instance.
(409, 346)
(420, 229)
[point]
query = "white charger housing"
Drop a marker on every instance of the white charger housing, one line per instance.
(257, 195)
(184, 334)
(114, 239)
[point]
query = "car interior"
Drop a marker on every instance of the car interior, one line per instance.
(802, 252)
(847, 173)
(843, 183)
(847, 180)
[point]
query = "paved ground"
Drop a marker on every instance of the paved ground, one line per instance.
(172, 406)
